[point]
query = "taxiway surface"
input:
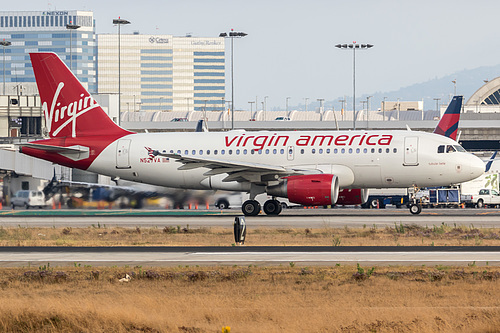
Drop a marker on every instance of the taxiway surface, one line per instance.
(293, 218)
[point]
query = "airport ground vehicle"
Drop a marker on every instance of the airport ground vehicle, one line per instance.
(480, 191)
(311, 168)
(28, 199)
(380, 198)
(485, 197)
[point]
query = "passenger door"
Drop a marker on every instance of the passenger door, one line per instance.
(123, 154)
(411, 151)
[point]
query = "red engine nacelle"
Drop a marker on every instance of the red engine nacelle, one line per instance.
(309, 190)
(355, 196)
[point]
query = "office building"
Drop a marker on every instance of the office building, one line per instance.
(162, 72)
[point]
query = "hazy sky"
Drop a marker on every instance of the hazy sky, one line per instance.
(289, 50)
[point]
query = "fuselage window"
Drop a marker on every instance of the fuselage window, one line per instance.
(365, 150)
(357, 150)
(350, 150)
(260, 151)
(302, 151)
(328, 150)
(267, 151)
(380, 150)
(222, 152)
(237, 151)
(395, 150)
(275, 151)
(201, 152)
(373, 150)
(179, 152)
(387, 150)
(193, 152)
(171, 151)
(282, 151)
(335, 151)
(215, 152)
(244, 151)
(230, 151)
(208, 152)
(313, 151)
(252, 151)
(342, 150)
(320, 151)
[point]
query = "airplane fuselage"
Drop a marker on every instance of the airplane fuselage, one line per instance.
(360, 159)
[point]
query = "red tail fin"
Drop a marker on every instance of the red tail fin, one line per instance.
(69, 109)
(448, 125)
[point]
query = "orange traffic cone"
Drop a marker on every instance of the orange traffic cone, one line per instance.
(53, 204)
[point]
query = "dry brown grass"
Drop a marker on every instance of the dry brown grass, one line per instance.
(251, 299)
(403, 235)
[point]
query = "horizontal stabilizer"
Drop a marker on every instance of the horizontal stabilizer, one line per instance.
(55, 149)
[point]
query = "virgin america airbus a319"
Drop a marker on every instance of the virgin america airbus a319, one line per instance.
(314, 168)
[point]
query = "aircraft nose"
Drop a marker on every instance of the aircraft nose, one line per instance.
(477, 166)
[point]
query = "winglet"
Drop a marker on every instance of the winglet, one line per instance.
(448, 125)
(490, 161)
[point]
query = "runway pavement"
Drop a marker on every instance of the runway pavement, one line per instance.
(262, 256)
(293, 218)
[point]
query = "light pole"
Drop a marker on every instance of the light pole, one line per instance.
(454, 87)
(399, 108)
(320, 100)
(383, 109)
(437, 105)
(265, 106)
(286, 102)
(354, 46)
(4, 43)
(343, 106)
(71, 27)
(251, 105)
(368, 110)
(119, 21)
(305, 102)
(232, 35)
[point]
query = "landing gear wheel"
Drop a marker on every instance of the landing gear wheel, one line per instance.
(415, 209)
(251, 208)
(272, 207)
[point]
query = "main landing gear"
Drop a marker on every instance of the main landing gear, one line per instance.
(252, 207)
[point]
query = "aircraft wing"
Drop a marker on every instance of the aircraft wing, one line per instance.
(236, 170)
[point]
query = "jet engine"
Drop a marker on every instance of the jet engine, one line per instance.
(309, 190)
(355, 196)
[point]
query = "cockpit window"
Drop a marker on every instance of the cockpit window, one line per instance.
(450, 149)
(441, 149)
(460, 148)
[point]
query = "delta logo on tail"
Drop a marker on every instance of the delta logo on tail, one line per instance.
(448, 125)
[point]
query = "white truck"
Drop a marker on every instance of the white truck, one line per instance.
(486, 197)
(481, 191)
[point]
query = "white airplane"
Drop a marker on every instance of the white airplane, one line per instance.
(307, 167)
